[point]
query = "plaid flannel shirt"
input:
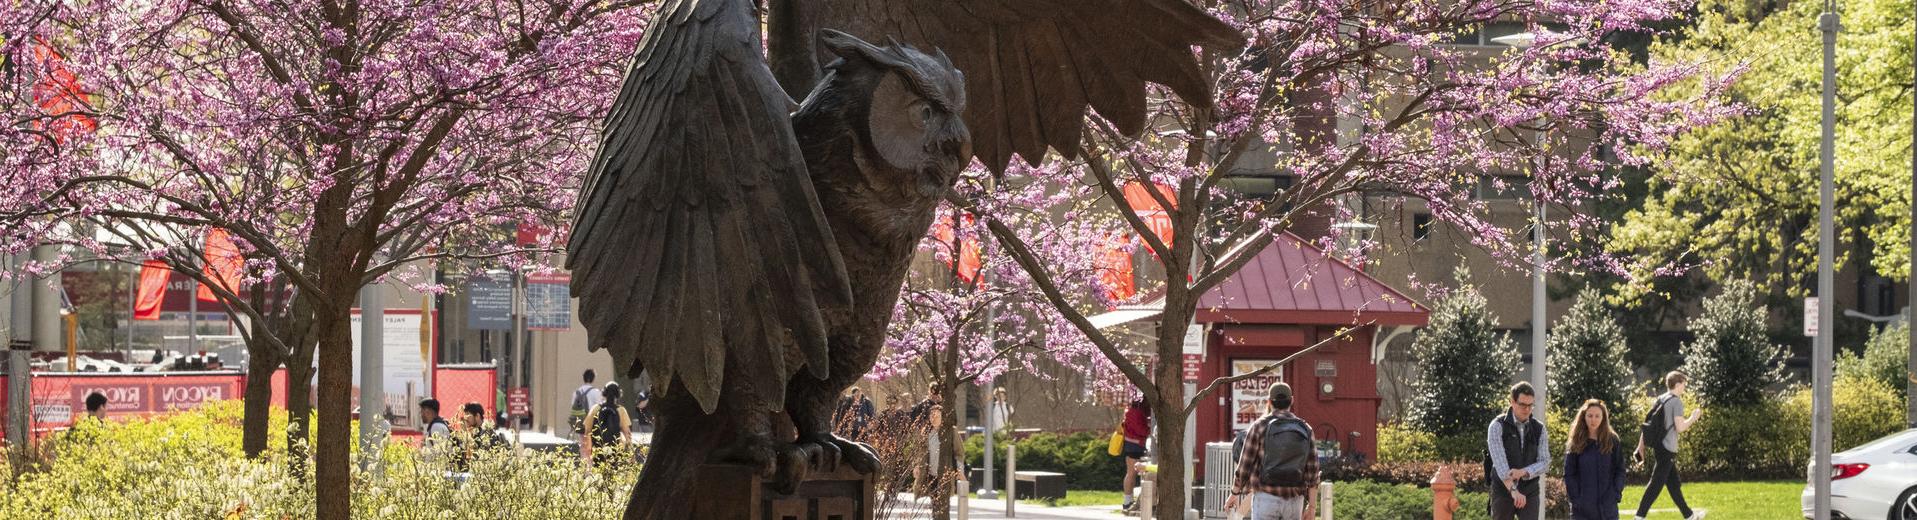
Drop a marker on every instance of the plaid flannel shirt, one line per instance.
(1253, 457)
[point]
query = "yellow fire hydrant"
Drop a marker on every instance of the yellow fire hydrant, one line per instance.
(1444, 498)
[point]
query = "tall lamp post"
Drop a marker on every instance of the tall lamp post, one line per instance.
(1826, 258)
(1539, 323)
(1910, 281)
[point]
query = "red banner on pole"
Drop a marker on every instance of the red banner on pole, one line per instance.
(153, 277)
(1148, 209)
(1115, 269)
(60, 95)
(222, 266)
(968, 255)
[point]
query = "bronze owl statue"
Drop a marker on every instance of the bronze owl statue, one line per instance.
(746, 251)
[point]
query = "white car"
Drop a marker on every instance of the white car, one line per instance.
(1875, 481)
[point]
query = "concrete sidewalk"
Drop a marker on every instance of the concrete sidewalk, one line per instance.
(909, 507)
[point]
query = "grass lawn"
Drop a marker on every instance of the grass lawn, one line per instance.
(1725, 500)
(1078, 497)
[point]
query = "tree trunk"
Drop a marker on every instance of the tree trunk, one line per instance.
(1168, 449)
(299, 413)
(262, 359)
(299, 386)
(1168, 406)
(332, 451)
(948, 458)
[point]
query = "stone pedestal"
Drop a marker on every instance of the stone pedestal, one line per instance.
(732, 492)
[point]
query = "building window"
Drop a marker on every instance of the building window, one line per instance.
(1420, 226)
(1485, 34)
(1504, 187)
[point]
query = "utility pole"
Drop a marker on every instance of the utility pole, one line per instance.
(46, 304)
(516, 349)
(1910, 283)
(1826, 295)
(13, 319)
(372, 373)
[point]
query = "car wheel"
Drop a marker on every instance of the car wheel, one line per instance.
(1905, 508)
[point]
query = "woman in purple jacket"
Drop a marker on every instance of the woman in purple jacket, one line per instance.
(1593, 465)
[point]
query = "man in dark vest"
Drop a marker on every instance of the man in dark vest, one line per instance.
(1517, 453)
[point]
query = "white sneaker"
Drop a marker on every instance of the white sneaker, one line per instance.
(1637, 518)
(1697, 515)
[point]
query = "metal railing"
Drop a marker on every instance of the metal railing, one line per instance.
(1219, 465)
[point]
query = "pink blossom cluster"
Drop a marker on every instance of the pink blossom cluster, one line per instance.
(455, 120)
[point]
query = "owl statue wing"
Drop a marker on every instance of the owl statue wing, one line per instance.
(698, 231)
(1032, 67)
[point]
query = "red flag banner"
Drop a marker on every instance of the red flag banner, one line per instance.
(969, 257)
(1115, 269)
(223, 264)
(152, 291)
(1154, 215)
(59, 93)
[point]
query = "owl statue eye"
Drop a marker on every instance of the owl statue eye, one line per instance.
(925, 115)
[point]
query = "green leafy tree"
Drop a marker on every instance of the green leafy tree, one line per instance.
(1739, 198)
(1586, 359)
(1467, 364)
(1732, 361)
(1883, 359)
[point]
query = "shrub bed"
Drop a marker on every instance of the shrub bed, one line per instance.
(189, 465)
(1081, 456)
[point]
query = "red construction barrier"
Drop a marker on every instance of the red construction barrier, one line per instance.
(455, 386)
(60, 397)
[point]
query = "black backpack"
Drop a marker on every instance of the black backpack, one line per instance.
(1288, 447)
(1653, 429)
(581, 400)
(605, 426)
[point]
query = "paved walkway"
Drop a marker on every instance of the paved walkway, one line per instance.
(909, 507)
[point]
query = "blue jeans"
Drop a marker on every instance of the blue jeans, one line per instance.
(1266, 506)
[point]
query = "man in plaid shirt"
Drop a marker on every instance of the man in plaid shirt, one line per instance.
(1274, 501)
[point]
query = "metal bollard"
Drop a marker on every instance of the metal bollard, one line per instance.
(964, 499)
(1444, 501)
(1011, 484)
(1145, 493)
(1324, 500)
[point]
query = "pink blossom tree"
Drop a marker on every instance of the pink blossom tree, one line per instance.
(337, 142)
(971, 315)
(1356, 98)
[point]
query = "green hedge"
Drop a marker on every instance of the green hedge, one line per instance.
(1082, 457)
(1368, 500)
(1400, 442)
(1768, 440)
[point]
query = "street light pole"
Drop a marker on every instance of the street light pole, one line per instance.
(1910, 282)
(1539, 327)
(372, 374)
(14, 332)
(1826, 295)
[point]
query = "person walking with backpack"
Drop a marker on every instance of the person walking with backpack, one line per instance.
(1279, 464)
(1593, 464)
(584, 399)
(1517, 453)
(1660, 428)
(608, 427)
